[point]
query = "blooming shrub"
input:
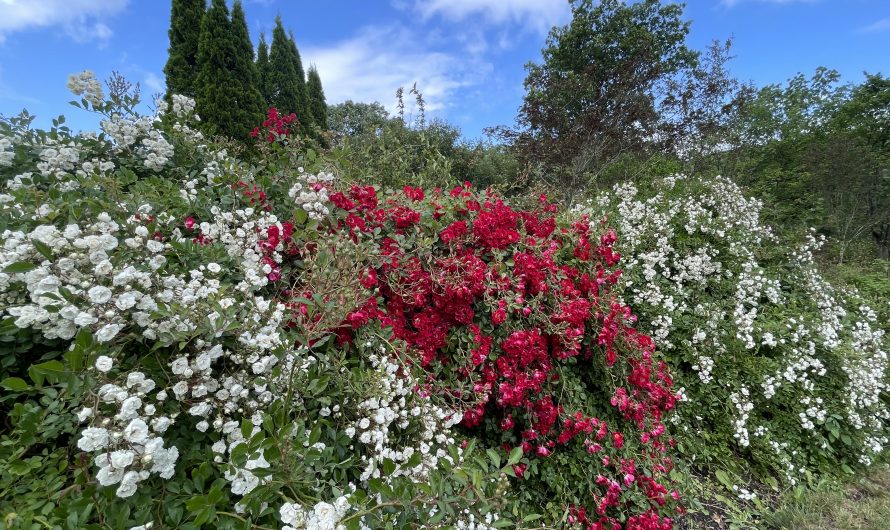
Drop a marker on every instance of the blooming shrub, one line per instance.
(191, 341)
(776, 363)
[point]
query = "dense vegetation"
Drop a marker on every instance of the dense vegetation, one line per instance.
(659, 300)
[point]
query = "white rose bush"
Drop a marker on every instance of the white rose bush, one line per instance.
(779, 370)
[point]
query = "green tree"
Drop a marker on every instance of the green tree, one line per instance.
(263, 68)
(352, 118)
(182, 59)
(282, 79)
(249, 112)
(302, 109)
(216, 89)
(594, 97)
(318, 108)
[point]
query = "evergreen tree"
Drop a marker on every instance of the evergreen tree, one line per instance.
(318, 108)
(263, 66)
(302, 110)
(282, 79)
(250, 109)
(185, 31)
(216, 90)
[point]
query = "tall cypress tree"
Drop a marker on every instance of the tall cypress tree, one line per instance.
(282, 79)
(303, 113)
(185, 31)
(249, 111)
(216, 90)
(318, 108)
(262, 65)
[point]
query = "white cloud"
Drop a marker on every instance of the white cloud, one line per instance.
(372, 65)
(82, 20)
(879, 25)
(538, 15)
(154, 83)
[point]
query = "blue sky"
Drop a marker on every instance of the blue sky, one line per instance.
(466, 56)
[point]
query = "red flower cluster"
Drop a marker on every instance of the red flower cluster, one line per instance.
(497, 304)
(275, 126)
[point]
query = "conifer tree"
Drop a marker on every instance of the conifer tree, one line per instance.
(302, 110)
(216, 90)
(318, 108)
(282, 78)
(185, 31)
(250, 109)
(262, 65)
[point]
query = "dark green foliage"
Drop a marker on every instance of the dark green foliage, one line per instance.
(593, 96)
(216, 91)
(318, 108)
(263, 69)
(185, 31)
(285, 92)
(302, 106)
(251, 106)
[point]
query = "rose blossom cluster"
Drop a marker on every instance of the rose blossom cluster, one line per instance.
(504, 301)
(86, 84)
(127, 434)
(310, 192)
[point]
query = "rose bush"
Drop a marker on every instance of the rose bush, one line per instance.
(193, 340)
(778, 366)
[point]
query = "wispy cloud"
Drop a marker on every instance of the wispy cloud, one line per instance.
(537, 15)
(378, 60)
(879, 25)
(154, 83)
(81, 20)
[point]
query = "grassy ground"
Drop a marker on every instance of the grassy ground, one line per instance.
(861, 505)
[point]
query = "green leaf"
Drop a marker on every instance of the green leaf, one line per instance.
(515, 456)
(300, 216)
(724, 479)
(43, 248)
(15, 384)
(19, 267)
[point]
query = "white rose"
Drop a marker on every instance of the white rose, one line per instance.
(104, 363)
(108, 332)
(99, 294)
(154, 246)
(324, 515)
(136, 431)
(121, 459)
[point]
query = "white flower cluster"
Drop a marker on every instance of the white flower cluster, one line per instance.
(400, 425)
(743, 407)
(310, 192)
(86, 84)
(694, 271)
(125, 432)
(182, 107)
(322, 516)
(7, 152)
(111, 274)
